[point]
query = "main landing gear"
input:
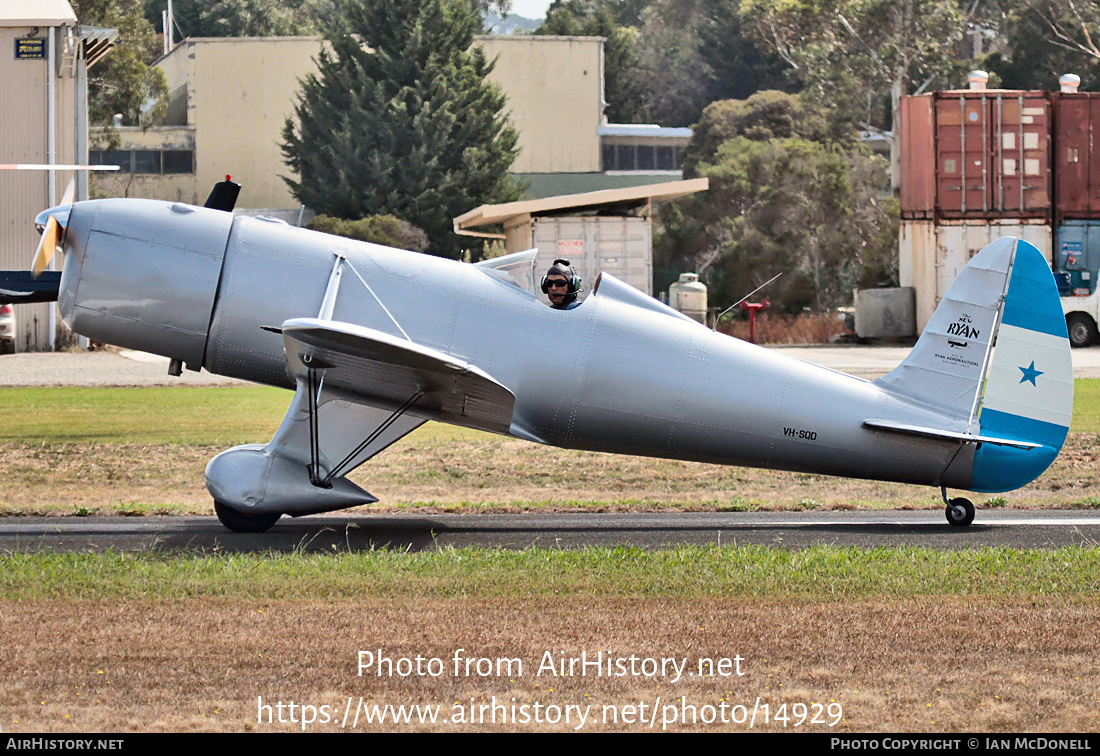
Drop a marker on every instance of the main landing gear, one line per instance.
(960, 511)
(241, 522)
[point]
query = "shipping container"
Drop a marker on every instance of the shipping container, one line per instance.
(593, 244)
(992, 154)
(917, 158)
(1076, 154)
(931, 255)
(1077, 257)
(975, 154)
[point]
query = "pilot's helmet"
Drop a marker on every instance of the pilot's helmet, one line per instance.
(563, 268)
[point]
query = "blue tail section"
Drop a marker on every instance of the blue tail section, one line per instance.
(1029, 387)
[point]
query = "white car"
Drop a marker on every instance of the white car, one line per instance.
(7, 329)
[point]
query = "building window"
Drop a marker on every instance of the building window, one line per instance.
(146, 161)
(114, 157)
(666, 158)
(179, 161)
(640, 157)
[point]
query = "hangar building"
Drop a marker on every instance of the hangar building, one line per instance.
(231, 96)
(44, 60)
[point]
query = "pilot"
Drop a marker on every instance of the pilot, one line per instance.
(561, 284)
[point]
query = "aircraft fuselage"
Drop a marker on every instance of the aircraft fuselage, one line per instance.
(620, 373)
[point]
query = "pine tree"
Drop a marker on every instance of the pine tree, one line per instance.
(400, 119)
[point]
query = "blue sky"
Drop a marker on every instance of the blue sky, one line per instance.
(530, 8)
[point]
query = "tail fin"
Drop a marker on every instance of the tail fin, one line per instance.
(947, 366)
(1029, 391)
(1000, 328)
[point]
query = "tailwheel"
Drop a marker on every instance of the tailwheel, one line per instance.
(960, 512)
(244, 522)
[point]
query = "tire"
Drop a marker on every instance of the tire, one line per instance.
(1082, 330)
(960, 512)
(243, 522)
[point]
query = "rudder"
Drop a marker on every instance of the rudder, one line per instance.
(1029, 389)
(995, 358)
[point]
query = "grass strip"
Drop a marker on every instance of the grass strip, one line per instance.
(682, 572)
(228, 415)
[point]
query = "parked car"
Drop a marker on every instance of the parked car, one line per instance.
(7, 329)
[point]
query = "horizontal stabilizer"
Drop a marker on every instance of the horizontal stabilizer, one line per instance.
(388, 371)
(21, 287)
(917, 430)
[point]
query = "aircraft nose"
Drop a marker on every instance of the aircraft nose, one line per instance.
(143, 274)
(59, 213)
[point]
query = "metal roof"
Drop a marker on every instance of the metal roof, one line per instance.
(97, 42)
(642, 130)
(487, 214)
(36, 13)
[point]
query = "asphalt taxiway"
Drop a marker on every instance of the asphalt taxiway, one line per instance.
(423, 532)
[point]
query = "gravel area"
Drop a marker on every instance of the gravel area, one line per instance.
(99, 369)
(129, 368)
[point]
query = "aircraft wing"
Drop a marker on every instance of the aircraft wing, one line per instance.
(385, 371)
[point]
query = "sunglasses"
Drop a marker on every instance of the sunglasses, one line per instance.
(554, 282)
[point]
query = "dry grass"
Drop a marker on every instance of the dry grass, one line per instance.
(435, 471)
(787, 329)
(928, 664)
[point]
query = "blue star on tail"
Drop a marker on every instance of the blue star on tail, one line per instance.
(1030, 373)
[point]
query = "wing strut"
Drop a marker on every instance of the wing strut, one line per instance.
(332, 290)
(339, 468)
(313, 390)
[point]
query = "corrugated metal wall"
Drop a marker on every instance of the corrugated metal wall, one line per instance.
(931, 254)
(619, 245)
(976, 165)
(23, 194)
(1077, 155)
(976, 154)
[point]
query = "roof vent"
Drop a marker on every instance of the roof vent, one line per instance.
(978, 80)
(1069, 82)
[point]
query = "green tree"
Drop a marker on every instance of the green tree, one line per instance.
(262, 18)
(844, 48)
(124, 81)
(1043, 39)
(788, 194)
(664, 60)
(1071, 26)
(673, 69)
(400, 119)
(254, 18)
(241, 18)
(376, 229)
(735, 66)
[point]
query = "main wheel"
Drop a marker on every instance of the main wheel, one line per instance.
(243, 522)
(1082, 330)
(960, 512)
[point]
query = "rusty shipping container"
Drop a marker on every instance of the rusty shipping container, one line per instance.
(975, 154)
(1077, 155)
(917, 158)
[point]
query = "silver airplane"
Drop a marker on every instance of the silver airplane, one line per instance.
(376, 341)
